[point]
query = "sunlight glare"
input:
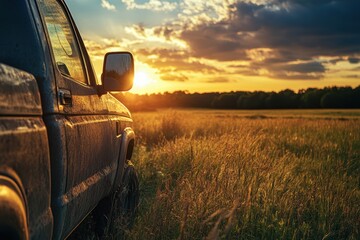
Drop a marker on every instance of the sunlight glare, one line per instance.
(141, 80)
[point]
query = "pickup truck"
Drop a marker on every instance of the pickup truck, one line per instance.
(65, 141)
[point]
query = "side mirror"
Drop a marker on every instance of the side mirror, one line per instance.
(118, 71)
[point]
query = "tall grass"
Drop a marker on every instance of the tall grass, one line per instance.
(219, 176)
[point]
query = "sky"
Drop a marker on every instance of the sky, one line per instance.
(226, 45)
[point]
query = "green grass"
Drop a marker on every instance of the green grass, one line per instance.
(248, 174)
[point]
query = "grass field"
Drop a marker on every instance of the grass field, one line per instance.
(248, 174)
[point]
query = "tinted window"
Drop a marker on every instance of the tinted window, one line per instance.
(63, 41)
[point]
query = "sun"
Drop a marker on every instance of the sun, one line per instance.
(141, 80)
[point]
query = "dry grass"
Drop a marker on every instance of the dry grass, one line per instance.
(217, 175)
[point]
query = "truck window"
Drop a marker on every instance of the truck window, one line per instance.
(63, 41)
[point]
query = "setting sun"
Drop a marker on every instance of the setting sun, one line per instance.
(141, 80)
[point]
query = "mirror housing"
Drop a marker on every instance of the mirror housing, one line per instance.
(118, 71)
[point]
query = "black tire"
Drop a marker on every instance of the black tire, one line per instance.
(127, 199)
(116, 214)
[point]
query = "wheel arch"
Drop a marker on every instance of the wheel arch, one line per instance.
(126, 150)
(127, 144)
(130, 149)
(13, 210)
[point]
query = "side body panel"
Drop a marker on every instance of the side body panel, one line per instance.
(24, 152)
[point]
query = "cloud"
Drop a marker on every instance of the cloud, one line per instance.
(290, 31)
(107, 5)
(219, 80)
(174, 64)
(352, 76)
(153, 5)
(283, 70)
(279, 39)
(194, 12)
(179, 77)
(310, 67)
(165, 31)
(170, 61)
(98, 49)
(308, 30)
(159, 35)
(353, 60)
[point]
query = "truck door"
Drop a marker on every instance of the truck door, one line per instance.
(91, 145)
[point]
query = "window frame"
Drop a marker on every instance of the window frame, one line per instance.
(74, 32)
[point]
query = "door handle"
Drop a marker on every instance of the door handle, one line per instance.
(65, 97)
(118, 129)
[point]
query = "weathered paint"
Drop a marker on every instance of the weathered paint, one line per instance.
(24, 155)
(92, 153)
(19, 93)
(116, 108)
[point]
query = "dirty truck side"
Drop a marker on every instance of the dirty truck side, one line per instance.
(65, 141)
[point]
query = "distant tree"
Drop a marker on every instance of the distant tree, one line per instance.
(201, 100)
(330, 100)
(273, 101)
(255, 100)
(355, 98)
(289, 99)
(225, 101)
(330, 97)
(338, 98)
(311, 98)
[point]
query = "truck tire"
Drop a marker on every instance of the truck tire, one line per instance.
(128, 196)
(116, 213)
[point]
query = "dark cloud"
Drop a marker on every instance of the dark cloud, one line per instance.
(217, 42)
(219, 80)
(281, 75)
(165, 31)
(336, 60)
(281, 70)
(249, 71)
(139, 28)
(318, 29)
(305, 2)
(311, 67)
(353, 60)
(238, 66)
(293, 30)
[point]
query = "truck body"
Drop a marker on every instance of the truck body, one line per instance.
(64, 139)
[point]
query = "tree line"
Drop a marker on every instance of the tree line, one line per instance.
(329, 97)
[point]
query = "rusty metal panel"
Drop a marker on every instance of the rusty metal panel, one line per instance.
(19, 93)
